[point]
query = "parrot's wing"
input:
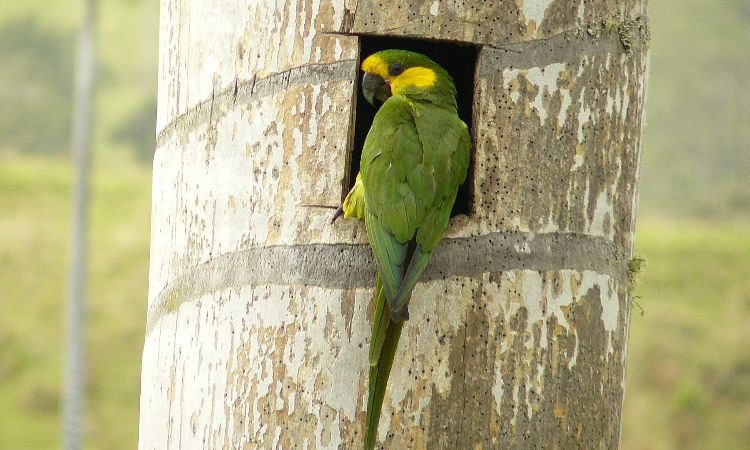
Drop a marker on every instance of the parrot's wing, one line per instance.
(389, 253)
(413, 161)
(450, 148)
(391, 149)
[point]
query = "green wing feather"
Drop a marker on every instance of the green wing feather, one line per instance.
(390, 255)
(454, 145)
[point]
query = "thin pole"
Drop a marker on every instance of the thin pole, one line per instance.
(74, 379)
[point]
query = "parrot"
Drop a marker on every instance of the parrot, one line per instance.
(415, 157)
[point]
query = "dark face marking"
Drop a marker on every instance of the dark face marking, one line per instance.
(395, 69)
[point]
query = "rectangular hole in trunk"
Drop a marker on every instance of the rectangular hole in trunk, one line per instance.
(459, 60)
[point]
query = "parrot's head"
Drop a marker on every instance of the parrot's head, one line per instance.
(401, 72)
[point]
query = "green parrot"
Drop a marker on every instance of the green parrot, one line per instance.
(414, 158)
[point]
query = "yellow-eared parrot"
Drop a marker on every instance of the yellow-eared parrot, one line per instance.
(414, 159)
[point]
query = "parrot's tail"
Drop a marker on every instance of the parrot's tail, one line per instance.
(385, 336)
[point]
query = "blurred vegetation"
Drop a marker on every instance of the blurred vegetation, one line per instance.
(36, 91)
(688, 374)
(37, 44)
(696, 155)
(688, 379)
(35, 208)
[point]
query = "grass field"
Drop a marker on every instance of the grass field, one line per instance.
(688, 383)
(688, 375)
(34, 233)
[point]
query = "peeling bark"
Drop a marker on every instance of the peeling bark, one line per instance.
(258, 320)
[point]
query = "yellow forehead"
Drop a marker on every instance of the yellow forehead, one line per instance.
(420, 77)
(375, 65)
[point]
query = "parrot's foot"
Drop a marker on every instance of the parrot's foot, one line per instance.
(400, 315)
(337, 214)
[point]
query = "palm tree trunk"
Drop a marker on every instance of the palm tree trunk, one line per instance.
(258, 319)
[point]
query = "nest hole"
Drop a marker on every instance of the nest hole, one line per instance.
(460, 60)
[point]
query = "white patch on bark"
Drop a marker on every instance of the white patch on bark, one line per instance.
(339, 50)
(338, 12)
(435, 8)
(312, 124)
(508, 76)
(545, 79)
(566, 102)
(603, 210)
(497, 386)
(608, 299)
(574, 358)
(516, 387)
(577, 162)
(533, 10)
(618, 99)
(310, 32)
(551, 226)
(584, 115)
(555, 303)
(532, 294)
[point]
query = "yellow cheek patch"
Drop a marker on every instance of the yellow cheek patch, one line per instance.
(375, 65)
(420, 77)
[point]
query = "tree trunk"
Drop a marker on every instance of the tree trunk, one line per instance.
(74, 374)
(258, 319)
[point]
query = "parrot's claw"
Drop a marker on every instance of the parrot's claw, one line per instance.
(337, 214)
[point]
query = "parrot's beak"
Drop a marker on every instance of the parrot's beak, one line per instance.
(375, 88)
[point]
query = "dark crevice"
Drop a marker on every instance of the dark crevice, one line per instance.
(459, 60)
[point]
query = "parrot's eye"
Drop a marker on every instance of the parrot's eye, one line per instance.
(395, 69)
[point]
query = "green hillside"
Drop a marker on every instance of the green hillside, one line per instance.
(37, 43)
(696, 156)
(688, 379)
(35, 225)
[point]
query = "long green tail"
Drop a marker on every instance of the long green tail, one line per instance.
(385, 336)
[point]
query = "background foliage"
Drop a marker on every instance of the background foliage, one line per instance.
(689, 370)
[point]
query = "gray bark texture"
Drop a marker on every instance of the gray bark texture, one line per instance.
(258, 316)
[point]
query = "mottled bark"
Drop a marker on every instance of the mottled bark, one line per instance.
(258, 307)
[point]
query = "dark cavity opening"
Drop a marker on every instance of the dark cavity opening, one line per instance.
(459, 60)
